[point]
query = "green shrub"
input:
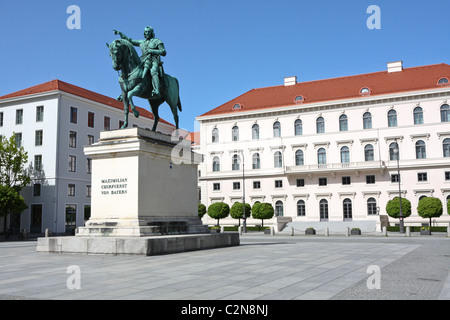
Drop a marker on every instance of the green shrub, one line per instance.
(429, 207)
(393, 208)
(201, 210)
(236, 211)
(262, 211)
(218, 210)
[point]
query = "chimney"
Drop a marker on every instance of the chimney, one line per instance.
(395, 66)
(290, 81)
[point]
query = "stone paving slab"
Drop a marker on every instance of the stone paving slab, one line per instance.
(263, 267)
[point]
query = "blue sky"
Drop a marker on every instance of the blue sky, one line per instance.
(218, 49)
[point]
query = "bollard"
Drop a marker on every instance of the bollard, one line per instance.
(327, 232)
(408, 231)
(272, 230)
(222, 229)
(385, 231)
(448, 230)
(292, 231)
(46, 233)
(240, 229)
(348, 232)
(24, 233)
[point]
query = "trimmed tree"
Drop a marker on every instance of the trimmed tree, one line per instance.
(430, 207)
(237, 212)
(201, 210)
(393, 208)
(262, 211)
(218, 210)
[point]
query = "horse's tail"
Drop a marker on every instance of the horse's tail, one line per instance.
(179, 100)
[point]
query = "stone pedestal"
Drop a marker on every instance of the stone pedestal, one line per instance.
(144, 185)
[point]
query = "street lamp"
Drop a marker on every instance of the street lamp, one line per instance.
(397, 152)
(244, 218)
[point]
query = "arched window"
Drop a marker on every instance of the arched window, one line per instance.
(236, 162)
(277, 160)
(371, 206)
(345, 155)
(421, 152)
(445, 113)
(235, 133)
(321, 156)
(443, 81)
(301, 208)
(347, 209)
(298, 127)
(320, 125)
(343, 123)
(392, 118)
(418, 115)
(394, 151)
(256, 161)
(323, 209)
(367, 120)
(446, 147)
(276, 129)
(215, 135)
(299, 160)
(255, 132)
(216, 164)
(279, 208)
(369, 153)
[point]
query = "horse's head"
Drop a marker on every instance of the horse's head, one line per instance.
(123, 55)
(116, 53)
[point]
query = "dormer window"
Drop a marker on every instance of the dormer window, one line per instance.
(443, 81)
(299, 99)
(237, 106)
(364, 91)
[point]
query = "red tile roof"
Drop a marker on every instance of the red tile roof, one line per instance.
(55, 85)
(194, 137)
(379, 83)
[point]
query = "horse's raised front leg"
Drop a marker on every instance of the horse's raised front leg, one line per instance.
(130, 96)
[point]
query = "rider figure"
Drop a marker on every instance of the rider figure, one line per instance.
(152, 50)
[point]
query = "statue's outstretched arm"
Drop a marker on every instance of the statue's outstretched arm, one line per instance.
(123, 36)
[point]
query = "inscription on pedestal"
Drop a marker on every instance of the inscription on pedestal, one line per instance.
(114, 186)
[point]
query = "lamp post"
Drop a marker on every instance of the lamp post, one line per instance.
(397, 152)
(244, 218)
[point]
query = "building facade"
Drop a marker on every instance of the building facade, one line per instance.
(53, 122)
(332, 150)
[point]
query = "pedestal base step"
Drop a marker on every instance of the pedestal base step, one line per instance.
(155, 245)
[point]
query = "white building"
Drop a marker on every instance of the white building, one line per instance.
(53, 121)
(325, 150)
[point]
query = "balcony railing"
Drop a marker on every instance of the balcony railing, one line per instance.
(365, 165)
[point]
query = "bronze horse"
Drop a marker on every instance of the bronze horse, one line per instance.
(126, 60)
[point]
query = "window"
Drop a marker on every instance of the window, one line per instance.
(72, 164)
(323, 209)
(71, 214)
(106, 123)
(394, 151)
(371, 206)
(38, 162)
(370, 179)
(278, 183)
(300, 182)
(445, 113)
(279, 208)
(73, 115)
(422, 177)
(235, 163)
(276, 129)
(421, 152)
(72, 139)
(298, 127)
(301, 208)
(236, 106)
(18, 138)
(216, 164)
(368, 153)
(346, 181)
(256, 161)
(71, 190)
(255, 132)
(347, 209)
(392, 118)
(256, 184)
(90, 119)
(88, 192)
(367, 120)
(320, 125)
(90, 139)
(1, 119)
(443, 81)
(277, 160)
(298, 99)
(19, 116)
(321, 156)
(36, 190)
(39, 113)
(235, 133)
(88, 165)
(323, 181)
(447, 175)
(364, 90)
(395, 178)
(418, 115)
(121, 123)
(345, 155)
(215, 135)
(343, 123)
(38, 137)
(236, 186)
(216, 186)
(446, 147)
(299, 159)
